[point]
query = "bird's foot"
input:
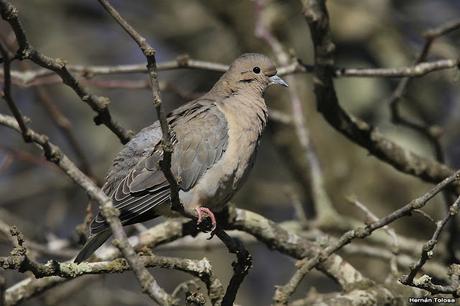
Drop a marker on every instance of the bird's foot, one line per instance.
(209, 213)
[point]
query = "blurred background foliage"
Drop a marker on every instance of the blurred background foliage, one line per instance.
(36, 197)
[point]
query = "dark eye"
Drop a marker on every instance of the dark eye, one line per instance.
(256, 70)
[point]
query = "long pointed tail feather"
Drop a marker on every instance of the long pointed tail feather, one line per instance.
(92, 245)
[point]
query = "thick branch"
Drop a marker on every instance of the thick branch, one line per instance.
(198, 268)
(266, 231)
(353, 128)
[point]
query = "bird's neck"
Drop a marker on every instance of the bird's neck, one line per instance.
(249, 110)
(245, 100)
(225, 87)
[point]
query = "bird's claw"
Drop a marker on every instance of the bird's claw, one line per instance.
(210, 214)
(213, 232)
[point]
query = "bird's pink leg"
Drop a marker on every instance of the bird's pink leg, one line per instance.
(207, 211)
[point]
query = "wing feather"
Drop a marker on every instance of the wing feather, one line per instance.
(200, 139)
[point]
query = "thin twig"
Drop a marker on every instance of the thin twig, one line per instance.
(26, 51)
(7, 93)
(427, 251)
(55, 155)
(65, 127)
(431, 133)
(167, 144)
(36, 77)
(283, 293)
(391, 232)
(417, 70)
(322, 203)
(373, 218)
(356, 130)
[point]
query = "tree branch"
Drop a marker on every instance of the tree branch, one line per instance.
(7, 94)
(55, 155)
(149, 53)
(353, 128)
(283, 293)
(26, 51)
(427, 252)
(322, 203)
(35, 77)
(240, 267)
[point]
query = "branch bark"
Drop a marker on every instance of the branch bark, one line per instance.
(99, 104)
(351, 127)
(283, 293)
(55, 155)
(167, 137)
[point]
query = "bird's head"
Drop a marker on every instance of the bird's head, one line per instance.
(252, 71)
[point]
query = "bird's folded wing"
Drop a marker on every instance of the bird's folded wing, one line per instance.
(201, 142)
(200, 139)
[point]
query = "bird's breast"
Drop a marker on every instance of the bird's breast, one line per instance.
(220, 182)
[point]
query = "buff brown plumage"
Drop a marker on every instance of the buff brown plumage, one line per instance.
(215, 138)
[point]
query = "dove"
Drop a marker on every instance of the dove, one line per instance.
(215, 139)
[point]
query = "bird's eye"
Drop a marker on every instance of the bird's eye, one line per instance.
(256, 70)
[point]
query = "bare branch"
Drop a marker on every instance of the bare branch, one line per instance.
(54, 154)
(283, 293)
(7, 93)
(240, 267)
(198, 268)
(432, 133)
(29, 78)
(323, 205)
(353, 128)
(26, 51)
(427, 252)
(65, 126)
(149, 53)
(418, 70)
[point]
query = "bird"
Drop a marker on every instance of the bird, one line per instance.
(215, 139)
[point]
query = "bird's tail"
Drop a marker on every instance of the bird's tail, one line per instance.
(92, 245)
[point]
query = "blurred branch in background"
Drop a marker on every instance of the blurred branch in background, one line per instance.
(28, 78)
(26, 51)
(413, 252)
(432, 133)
